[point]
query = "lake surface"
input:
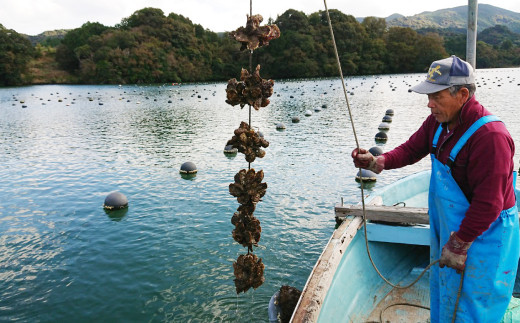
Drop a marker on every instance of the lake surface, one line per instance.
(169, 257)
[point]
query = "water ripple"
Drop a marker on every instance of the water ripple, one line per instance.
(169, 256)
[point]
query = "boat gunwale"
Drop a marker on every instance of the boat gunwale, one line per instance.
(316, 288)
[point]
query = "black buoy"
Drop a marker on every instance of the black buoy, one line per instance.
(366, 175)
(381, 137)
(376, 151)
(188, 168)
(324, 106)
(384, 126)
(115, 201)
(295, 120)
(229, 150)
(389, 112)
(387, 119)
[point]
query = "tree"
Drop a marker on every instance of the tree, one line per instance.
(65, 53)
(487, 55)
(402, 53)
(429, 49)
(152, 17)
(15, 53)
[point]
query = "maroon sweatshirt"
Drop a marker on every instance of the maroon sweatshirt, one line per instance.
(483, 168)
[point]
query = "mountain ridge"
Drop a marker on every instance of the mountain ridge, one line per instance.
(488, 16)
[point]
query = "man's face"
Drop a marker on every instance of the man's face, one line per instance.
(445, 107)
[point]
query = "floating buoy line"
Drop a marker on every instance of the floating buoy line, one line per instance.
(362, 187)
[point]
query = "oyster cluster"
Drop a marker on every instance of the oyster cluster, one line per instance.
(253, 36)
(247, 230)
(287, 299)
(251, 89)
(248, 142)
(248, 189)
(249, 272)
(248, 186)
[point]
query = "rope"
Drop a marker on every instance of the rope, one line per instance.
(250, 71)
(400, 304)
(362, 186)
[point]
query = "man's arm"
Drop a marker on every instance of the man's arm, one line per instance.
(414, 149)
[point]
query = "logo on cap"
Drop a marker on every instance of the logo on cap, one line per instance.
(432, 71)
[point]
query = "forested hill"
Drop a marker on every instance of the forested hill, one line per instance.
(151, 47)
(453, 18)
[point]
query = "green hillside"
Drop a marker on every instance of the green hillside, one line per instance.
(152, 47)
(488, 16)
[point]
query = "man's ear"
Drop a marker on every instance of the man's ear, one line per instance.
(464, 93)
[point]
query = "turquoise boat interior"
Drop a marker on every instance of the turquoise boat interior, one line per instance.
(401, 253)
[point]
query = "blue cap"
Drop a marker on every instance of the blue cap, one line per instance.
(444, 73)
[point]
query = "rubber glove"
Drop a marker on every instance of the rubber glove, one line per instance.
(364, 159)
(454, 253)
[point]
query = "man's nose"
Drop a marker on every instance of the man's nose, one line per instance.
(431, 103)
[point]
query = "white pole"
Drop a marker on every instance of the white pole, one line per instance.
(471, 41)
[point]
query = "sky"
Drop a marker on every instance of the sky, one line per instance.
(36, 16)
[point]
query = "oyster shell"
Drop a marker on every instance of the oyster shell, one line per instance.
(253, 35)
(248, 186)
(248, 142)
(249, 272)
(247, 230)
(251, 89)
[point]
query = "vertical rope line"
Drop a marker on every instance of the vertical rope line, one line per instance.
(250, 70)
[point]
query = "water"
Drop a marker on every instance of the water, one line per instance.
(169, 256)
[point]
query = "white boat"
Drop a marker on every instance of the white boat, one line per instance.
(344, 286)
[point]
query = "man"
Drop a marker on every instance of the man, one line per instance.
(473, 216)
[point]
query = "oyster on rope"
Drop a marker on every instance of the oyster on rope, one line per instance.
(248, 142)
(253, 35)
(249, 272)
(251, 89)
(248, 186)
(247, 230)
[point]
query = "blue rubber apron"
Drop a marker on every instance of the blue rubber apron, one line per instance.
(492, 258)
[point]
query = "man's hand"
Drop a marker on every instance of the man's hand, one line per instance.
(364, 159)
(454, 253)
